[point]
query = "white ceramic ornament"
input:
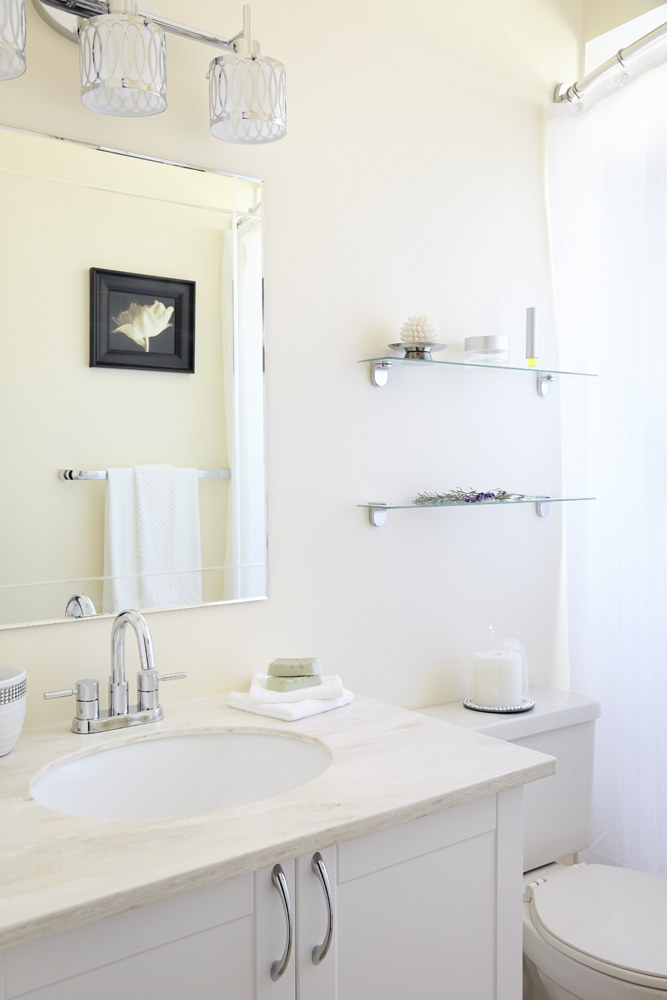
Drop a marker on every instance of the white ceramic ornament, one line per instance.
(419, 330)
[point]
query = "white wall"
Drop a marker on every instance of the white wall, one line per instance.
(411, 180)
(603, 15)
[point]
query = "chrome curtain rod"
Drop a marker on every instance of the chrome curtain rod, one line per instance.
(71, 475)
(622, 58)
(93, 8)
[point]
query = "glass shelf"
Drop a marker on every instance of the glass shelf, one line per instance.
(377, 512)
(380, 368)
(415, 363)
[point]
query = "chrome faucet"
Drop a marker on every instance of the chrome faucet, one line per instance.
(88, 718)
(80, 606)
(119, 689)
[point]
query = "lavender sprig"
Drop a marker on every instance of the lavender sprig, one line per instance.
(469, 496)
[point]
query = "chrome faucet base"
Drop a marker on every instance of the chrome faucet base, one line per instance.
(105, 723)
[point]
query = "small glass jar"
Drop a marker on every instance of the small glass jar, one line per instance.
(499, 675)
(488, 351)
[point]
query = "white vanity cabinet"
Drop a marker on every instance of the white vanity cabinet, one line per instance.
(428, 909)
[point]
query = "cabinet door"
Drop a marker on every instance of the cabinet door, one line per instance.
(213, 943)
(416, 911)
(422, 928)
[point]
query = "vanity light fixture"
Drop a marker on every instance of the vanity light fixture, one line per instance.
(247, 93)
(123, 64)
(12, 39)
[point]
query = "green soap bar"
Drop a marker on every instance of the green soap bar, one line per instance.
(305, 667)
(292, 683)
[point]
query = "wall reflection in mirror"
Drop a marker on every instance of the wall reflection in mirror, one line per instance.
(132, 396)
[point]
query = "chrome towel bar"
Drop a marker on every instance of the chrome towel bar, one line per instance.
(72, 475)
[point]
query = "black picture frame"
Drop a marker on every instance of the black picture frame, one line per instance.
(114, 292)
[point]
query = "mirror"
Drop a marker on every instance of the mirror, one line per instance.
(132, 396)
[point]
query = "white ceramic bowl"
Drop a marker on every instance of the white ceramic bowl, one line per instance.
(12, 706)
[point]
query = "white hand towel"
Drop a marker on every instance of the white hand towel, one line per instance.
(168, 531)
(152, 540)
(289, 712)
(156, 531)
(331, 687)
(122, 584)
(188, 538)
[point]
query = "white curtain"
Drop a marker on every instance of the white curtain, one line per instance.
(243, 360)
(608, 195)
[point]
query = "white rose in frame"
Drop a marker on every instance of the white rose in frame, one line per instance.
(140, 323)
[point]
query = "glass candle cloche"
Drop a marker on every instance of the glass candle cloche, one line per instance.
(499, 675)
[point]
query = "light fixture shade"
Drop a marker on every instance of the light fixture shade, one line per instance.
(12, 39)
(123, 63)
(247, 98)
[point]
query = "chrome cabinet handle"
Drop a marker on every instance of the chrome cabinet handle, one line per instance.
(320, 869)
(278, 878)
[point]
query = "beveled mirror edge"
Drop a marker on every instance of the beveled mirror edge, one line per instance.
(136, 156)
(144, 611)
(184, 166)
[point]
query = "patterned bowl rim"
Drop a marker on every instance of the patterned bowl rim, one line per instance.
(12, 681)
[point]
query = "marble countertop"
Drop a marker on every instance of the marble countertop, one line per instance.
(389, 766)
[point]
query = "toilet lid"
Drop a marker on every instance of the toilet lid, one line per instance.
(611, 919)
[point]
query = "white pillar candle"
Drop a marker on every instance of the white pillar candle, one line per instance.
(496, 678)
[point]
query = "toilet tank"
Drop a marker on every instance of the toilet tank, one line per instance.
(557, 809)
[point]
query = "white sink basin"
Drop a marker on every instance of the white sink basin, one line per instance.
(180, 775)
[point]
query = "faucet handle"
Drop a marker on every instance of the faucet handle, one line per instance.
(147, 687)
(87, 689)
(65, 693)
(87, 693)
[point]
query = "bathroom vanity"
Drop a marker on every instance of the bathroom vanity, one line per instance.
(396, 872)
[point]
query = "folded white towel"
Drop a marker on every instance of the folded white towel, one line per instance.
(289, 712)
(331, 687)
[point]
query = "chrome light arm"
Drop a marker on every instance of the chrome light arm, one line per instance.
(81, 8)
(94, 8)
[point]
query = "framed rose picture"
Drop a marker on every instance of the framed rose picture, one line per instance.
(141, 321)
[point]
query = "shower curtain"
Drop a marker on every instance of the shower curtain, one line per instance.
(243, 361)
(608, 201)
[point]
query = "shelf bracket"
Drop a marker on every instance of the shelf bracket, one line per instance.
(377, 514)
(380, 373)
(542, 509)
(544, 383)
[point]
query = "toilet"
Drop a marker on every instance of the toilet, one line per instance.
(590, 932)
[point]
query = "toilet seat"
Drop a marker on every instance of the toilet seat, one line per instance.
(613, 920)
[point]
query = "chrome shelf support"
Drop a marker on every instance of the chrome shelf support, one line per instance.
(377, 515)
(544, 383)
(379, 373)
